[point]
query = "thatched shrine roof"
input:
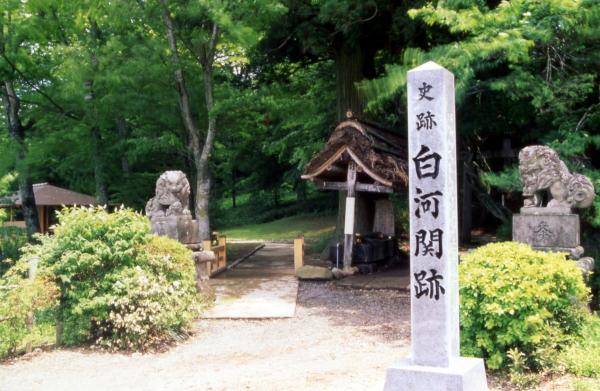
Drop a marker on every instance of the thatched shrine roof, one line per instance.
(379, 153)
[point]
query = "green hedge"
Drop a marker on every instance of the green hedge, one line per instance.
(118, 285)
(513, 297)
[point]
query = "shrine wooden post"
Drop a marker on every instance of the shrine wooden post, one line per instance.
(350, 212)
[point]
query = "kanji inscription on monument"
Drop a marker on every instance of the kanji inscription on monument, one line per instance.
(434, 362)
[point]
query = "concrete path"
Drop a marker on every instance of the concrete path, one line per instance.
(263, 286)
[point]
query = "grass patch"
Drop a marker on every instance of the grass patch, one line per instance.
(312, 226)
(258, 207)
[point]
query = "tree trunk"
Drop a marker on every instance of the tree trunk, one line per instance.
(98, 159)
(233, 187)
(202, 198)
(123, 132)
(349, 62)
(16, 131)
(92, 113)
(201, 153)
(206, 59)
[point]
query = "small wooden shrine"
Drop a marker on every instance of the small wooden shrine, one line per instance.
(368, 162)
(48, 199)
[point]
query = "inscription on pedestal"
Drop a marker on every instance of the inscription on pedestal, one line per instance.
(547, 231)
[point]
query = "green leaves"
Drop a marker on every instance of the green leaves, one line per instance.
(120, 286)
(513, 297)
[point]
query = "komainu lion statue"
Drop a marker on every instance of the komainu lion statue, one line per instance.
(542, 170)
(172, 196)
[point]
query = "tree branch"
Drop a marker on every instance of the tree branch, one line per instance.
(184, 101)
(38, 90)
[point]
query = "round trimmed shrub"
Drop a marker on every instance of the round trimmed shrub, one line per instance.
(513, 297)
(120, 286)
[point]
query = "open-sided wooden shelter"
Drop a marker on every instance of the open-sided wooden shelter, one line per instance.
(368, 162)
(48, 199)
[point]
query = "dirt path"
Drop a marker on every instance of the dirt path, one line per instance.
(263, 286)
(340, 339)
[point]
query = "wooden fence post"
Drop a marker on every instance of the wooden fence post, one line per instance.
(223, 243)
(33, 262)
(299, 252)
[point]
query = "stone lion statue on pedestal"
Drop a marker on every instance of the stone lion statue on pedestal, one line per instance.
(172, 196)
(542, 170)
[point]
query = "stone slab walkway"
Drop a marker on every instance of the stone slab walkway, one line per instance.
(263, 286)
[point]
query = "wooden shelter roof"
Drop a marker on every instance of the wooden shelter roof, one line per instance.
(48, 195)
(379, 153)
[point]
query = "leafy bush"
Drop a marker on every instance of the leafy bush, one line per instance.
(12, 239)
(583, 357)
(120, 286)
(513, 297)
(20, 297)
(591, 243)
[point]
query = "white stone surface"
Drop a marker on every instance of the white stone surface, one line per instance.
(463, 374)
(434, 363)
(434, 322)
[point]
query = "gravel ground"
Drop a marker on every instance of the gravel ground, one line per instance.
(340, 339)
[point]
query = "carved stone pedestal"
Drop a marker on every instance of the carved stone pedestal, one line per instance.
(181, 228)
(547, 229)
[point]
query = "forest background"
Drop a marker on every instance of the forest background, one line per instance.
(101, 97)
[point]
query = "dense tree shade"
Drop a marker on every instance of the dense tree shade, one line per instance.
(100, 97)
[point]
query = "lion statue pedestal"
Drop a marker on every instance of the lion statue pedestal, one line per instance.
(170, 216)
(553, 226)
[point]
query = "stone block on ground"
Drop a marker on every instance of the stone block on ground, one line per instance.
(337, 273)
(463, 374)
(308, 272)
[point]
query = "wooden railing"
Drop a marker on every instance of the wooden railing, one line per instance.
(218, 245)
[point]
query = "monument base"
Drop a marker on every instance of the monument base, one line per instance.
(463, 374)
(181, 228)
(547, 231)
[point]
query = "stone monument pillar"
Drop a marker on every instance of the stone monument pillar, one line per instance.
(170, 216)
(434, 362)
(553, 225)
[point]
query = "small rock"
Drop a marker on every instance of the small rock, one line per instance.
(314, 273)
(337, 273)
